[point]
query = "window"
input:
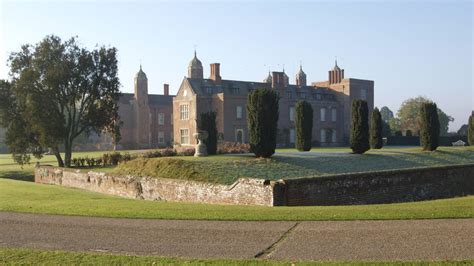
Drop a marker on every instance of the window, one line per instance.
(292, 135)
(161, 137)
(333, 136)
(239, 112)
(184, 136)
(334, 114)
(303, 95)
(184, 112)
(209, 90)
(171, 119)
(323, 114)
(288, 94)
(292, 113)
(161, 119)
(239, 135)
(323, 135)
(363, 94)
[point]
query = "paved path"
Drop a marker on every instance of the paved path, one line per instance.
(343, 240)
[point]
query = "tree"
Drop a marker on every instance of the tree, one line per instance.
(394, 125)
(386, 114)
(470, 130)
(58, 91)
(409, 115)
(207, 122)
(386, 130)
(359, 127)
(408, 133)
(429, 131)
(304, 125)
(262, 109)
(376, 130)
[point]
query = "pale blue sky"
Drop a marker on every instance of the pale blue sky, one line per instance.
(408, 48)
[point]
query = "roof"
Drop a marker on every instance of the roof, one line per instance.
(153, 99)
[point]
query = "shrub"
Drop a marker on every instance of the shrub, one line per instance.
(398, 133)
(232, 148)
(304, 125)
(470, 130)
(429, 126)
(185, 152)
(262, 116)
(359, 127)
(207, 122)
(376, 128)
(408, 133)
(167, 152)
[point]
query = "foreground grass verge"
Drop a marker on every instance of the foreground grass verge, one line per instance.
(21, 196)
(31, 256)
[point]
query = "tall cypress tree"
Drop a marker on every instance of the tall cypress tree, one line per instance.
(470, 130)
(429, 126)
(304, 125)
(376, 130)
(359, 127)
(207, 122)
(262, 119)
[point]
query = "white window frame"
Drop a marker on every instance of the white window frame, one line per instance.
(184, 138)
(363, 94)
(292, 113)
(292, 136)
(184, 111)
(239, 111)
(161, 137)
(334, 114)
(333, 136)
(161, 118)
(322, 114)
(322, 137)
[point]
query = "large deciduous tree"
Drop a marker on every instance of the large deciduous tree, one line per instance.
(376, 130)
(409, 115)
(262, 120)
(207, 122)
(470, 130)
(359, 139)
(59, 90)
(304, 125)
(429, 131)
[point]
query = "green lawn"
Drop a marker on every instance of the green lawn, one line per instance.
(288, 163)
(33, 257)
(21, 196)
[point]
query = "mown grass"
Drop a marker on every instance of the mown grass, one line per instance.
(20, 196)
(34, 257)
(289, 164)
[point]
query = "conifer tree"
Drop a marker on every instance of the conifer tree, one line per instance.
(359, 138)
(429, 126)
(470, 130)
(376, 130)
(207, 122)
(304, 125)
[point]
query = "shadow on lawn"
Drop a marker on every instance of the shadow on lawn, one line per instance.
(18, 175)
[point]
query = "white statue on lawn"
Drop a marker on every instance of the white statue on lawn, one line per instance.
(201, 149)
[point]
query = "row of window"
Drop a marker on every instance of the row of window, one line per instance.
(325, 135)
(322, 113)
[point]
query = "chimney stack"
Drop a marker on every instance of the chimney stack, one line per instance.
(277, 80)
(216, 73)
(166, 89)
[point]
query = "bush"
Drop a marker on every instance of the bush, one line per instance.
(398, 133)
(232, 148)
(376, 128)
(167, 152)
(207, 122)
(304, 125)
(429, 126)
(408, 133)
(470, 130)
(262, 116)
(185, 152)
(359, 127)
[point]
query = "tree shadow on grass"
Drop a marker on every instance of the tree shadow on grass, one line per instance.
(18, 175)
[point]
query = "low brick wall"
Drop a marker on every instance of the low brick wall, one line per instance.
(346, 189)
(243, 192)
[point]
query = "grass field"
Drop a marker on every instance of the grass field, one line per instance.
(33, 257)
(21, 196)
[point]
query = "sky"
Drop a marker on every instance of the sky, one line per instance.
(409, 48)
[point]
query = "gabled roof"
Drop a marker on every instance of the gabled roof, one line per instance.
(153, 99)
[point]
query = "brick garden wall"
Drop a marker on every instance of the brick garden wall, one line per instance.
(346, 189)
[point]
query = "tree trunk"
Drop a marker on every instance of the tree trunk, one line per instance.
(67, 153)
(58, 157)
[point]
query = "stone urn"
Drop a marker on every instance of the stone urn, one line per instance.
(201, 149)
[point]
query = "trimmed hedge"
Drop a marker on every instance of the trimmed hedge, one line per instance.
(304, 125)
(470, 130)
(207, 122)
(429, 127)
(376, 130)
(360, 127)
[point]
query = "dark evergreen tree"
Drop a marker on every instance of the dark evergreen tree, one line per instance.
(262, 116)
(359, 127)
(207, 122)
(429, 126)
(304, 125)
(408, 133)
(386, 130)
(470, 130)
(398, 133)
(376, 130)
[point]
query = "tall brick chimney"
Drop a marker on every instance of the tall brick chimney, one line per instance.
(277, 80)
(166, 89)
(216, 73)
